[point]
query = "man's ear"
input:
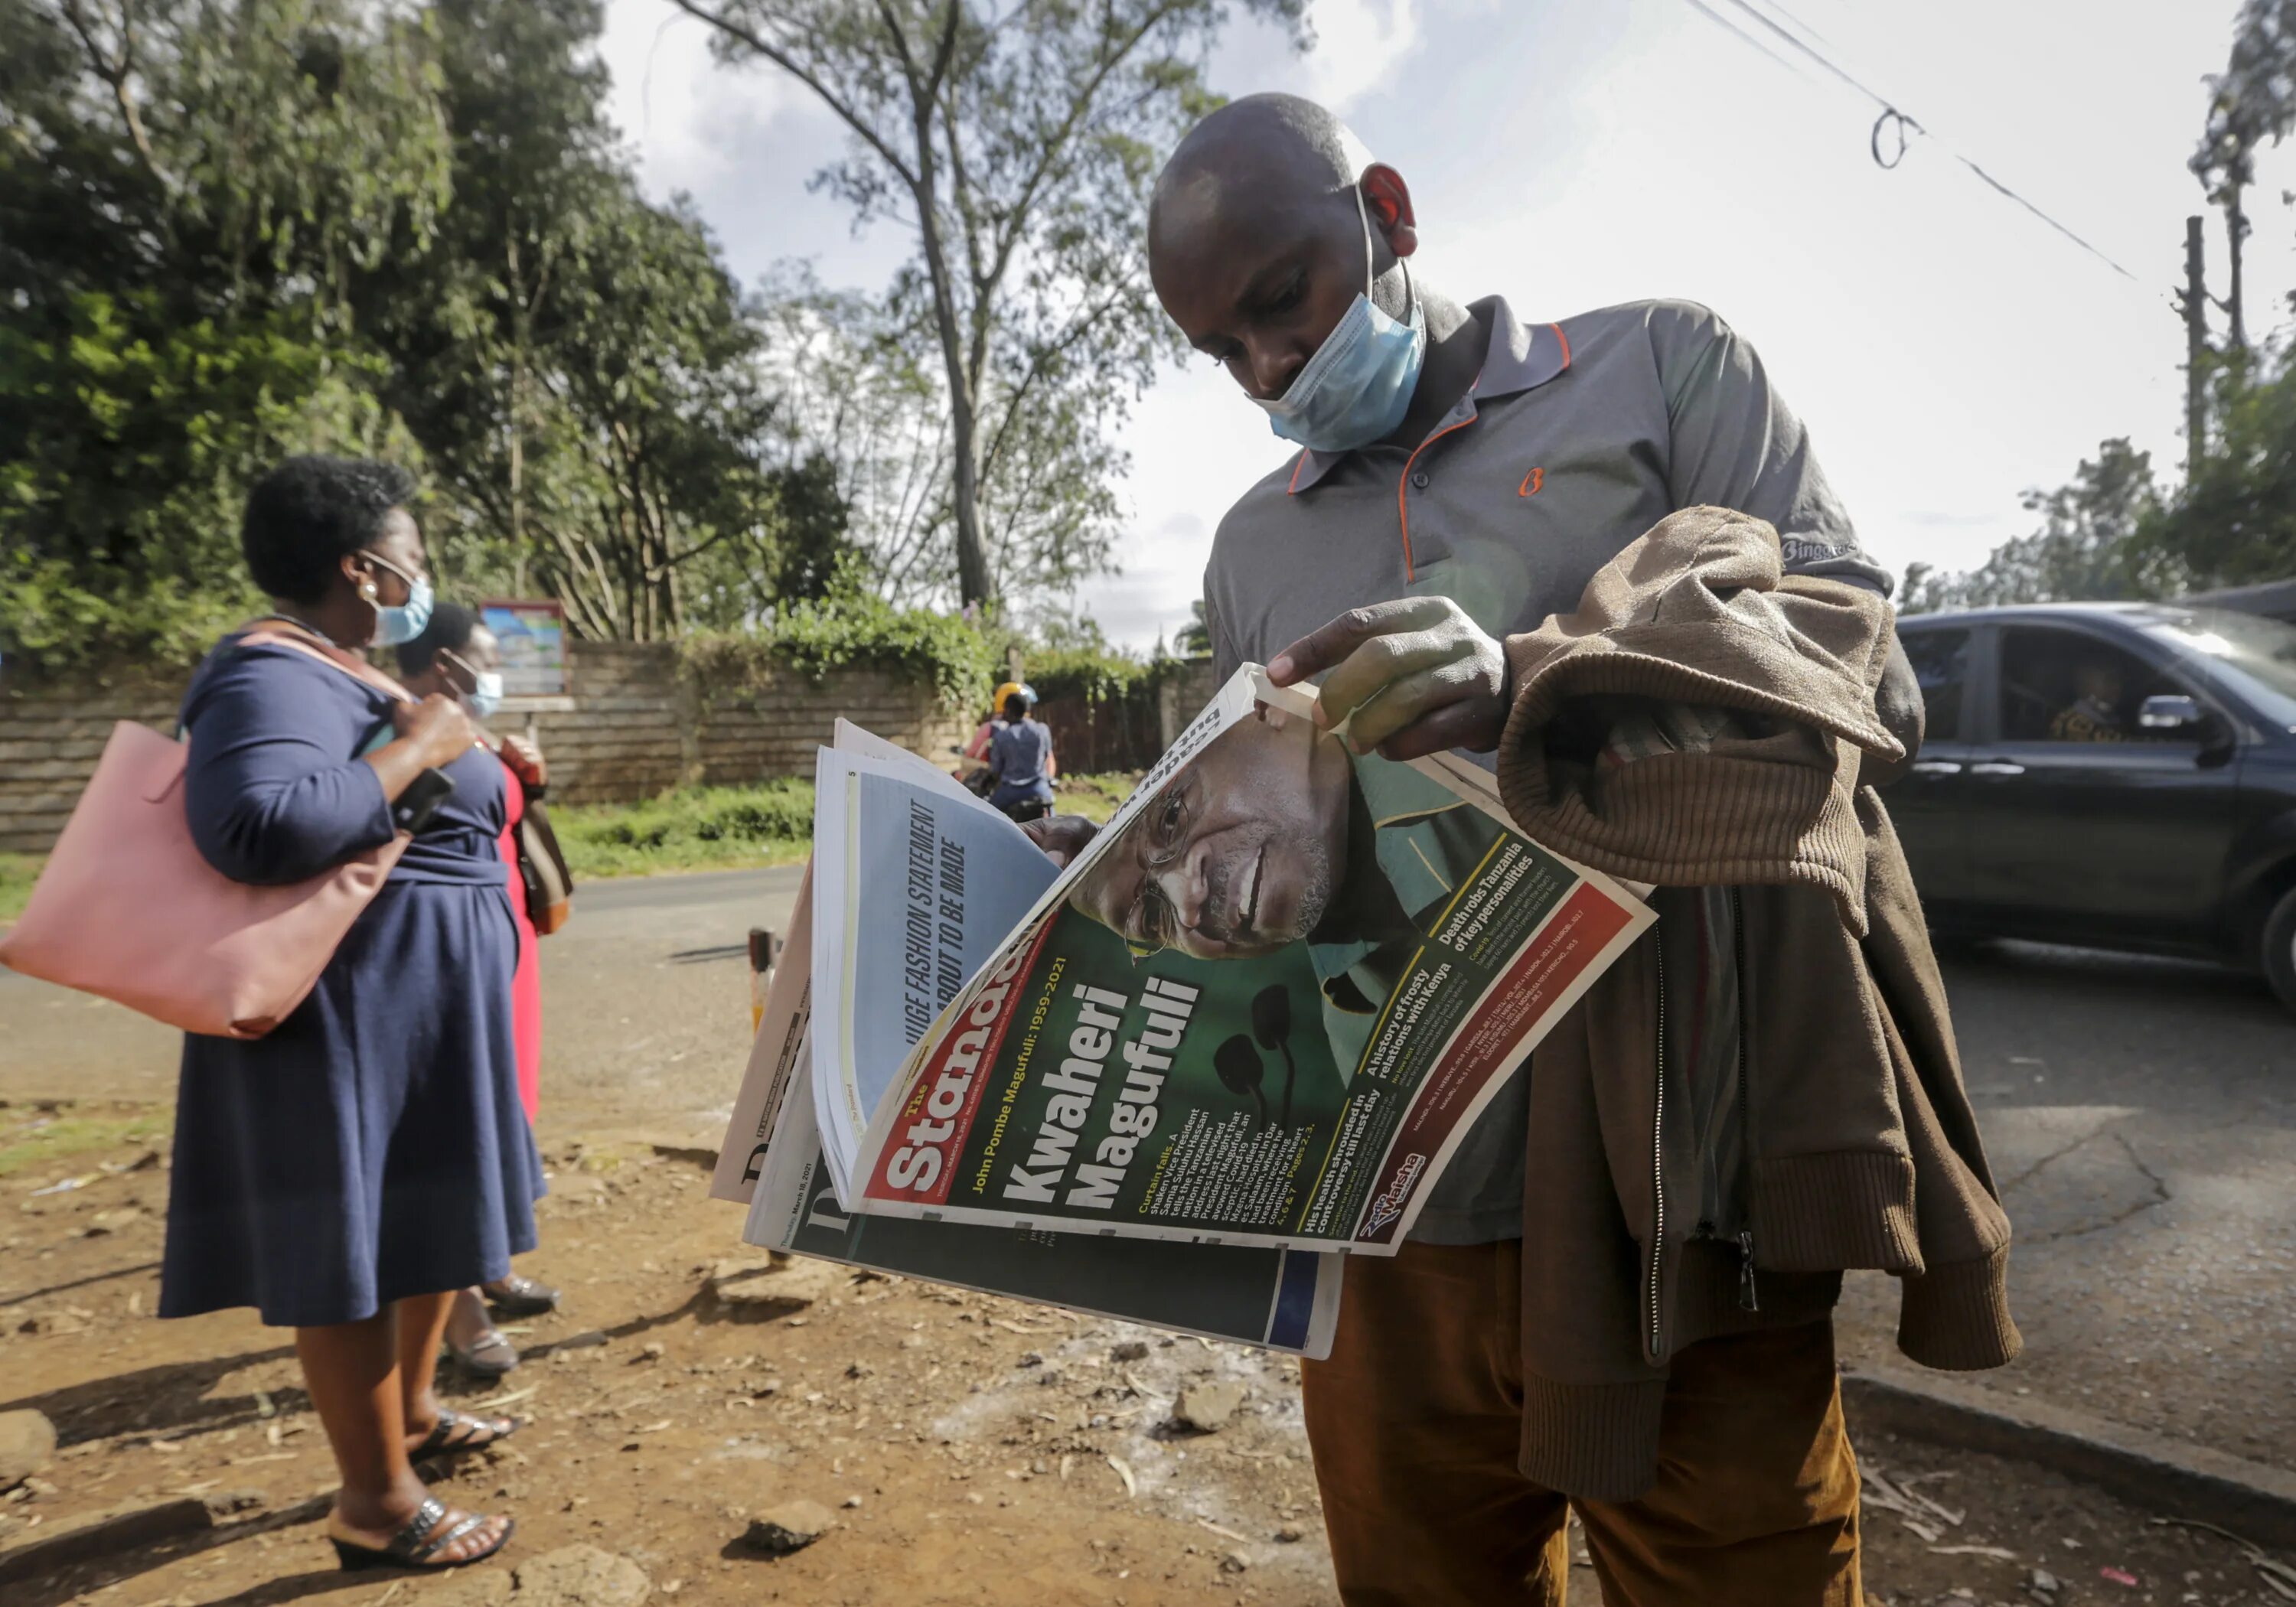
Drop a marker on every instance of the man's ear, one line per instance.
(1388, 198)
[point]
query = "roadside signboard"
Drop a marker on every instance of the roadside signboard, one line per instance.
(533, 636)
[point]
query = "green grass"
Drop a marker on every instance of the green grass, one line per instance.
(46, 1140)
(1095, 797)
(694, 828)
(735, 828)
(17, 873)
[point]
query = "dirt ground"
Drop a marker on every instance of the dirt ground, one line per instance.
(972, 1450)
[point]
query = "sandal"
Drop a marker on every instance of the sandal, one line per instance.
(420, 1540)
(488, 1355)
(515, 1296)
(455, 1432)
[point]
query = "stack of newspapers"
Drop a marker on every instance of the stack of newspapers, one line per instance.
(1178, 1079)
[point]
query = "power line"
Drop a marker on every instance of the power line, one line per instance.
(1752, 43)
(1901, 124)
(1813, 54)
(1798, 22)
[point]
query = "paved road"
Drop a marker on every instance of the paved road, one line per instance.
(645, 997)
(2141, 1114)
(2141, 1118)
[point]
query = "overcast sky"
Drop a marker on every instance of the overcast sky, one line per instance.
(1946, 349)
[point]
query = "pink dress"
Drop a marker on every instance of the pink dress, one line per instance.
(526, 982)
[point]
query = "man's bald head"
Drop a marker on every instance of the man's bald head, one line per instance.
(1260, 147)
(1256, 244)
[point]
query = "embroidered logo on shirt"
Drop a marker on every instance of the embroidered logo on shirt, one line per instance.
(1531, 482)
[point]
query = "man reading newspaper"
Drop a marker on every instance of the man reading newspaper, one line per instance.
(1619, 1295)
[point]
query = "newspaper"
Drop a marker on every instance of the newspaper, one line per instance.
(917, 881)
(777, 1053)
(1280, 1299)
(1262, 1007)
(774, 1158)
(779, 1050)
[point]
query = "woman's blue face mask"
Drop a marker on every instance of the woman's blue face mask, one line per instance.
(484, 697)
(398, 624)
(1358, 386)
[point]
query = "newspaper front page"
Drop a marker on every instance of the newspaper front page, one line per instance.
(775, 1157)
(1262, 1007)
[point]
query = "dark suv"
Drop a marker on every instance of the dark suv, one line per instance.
(2121, 775)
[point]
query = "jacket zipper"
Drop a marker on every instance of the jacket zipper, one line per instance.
(1748, 1297)
(1658, 1155)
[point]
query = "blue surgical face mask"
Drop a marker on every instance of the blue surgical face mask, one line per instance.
(1358, 386)
(396, 624)
(487, 696)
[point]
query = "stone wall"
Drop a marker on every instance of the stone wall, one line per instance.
(627, 732)
(631, 727)
(1181, 698)
(49, 743)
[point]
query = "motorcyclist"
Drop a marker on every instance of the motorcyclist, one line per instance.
(1021, 760)
(975, 774)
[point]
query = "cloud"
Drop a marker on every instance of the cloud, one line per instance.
(683, 113)
(1933, 519)
(1359, 45)
(742, 140)
(1162, 577)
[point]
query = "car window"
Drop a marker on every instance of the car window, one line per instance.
(2069, 686)
(2256, 656)
(1940, 661)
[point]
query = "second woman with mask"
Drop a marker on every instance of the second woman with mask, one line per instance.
(457, 657)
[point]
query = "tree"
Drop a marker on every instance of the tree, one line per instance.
(228, 154)
(613, 442)
(816, 560)
(1017, 144)
(2098, 542)
(132, 440)
(2235, 521)
(576, 360)
(854, 398)
(532, 158)
(1195, 640)
(187, 189)
(2252, 101)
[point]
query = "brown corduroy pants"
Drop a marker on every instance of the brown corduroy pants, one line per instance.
(1415, 1420)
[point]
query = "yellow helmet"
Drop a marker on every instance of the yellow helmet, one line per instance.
(1027, 692)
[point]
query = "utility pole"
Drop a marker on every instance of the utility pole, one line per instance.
(2193, 301)
(2236, 237)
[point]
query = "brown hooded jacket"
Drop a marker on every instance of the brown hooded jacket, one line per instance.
(1657, 1214)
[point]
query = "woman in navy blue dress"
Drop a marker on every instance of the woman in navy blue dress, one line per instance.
(347, 1172)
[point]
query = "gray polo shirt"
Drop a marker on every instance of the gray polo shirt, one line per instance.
(1574, 439)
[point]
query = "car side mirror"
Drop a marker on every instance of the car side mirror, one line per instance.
(2171, 713)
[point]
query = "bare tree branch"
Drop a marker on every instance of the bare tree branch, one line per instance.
(116, 71)
(788, 64)
(1076, 332)
(1055, 148)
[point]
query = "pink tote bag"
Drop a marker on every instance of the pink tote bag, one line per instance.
(129, 908)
